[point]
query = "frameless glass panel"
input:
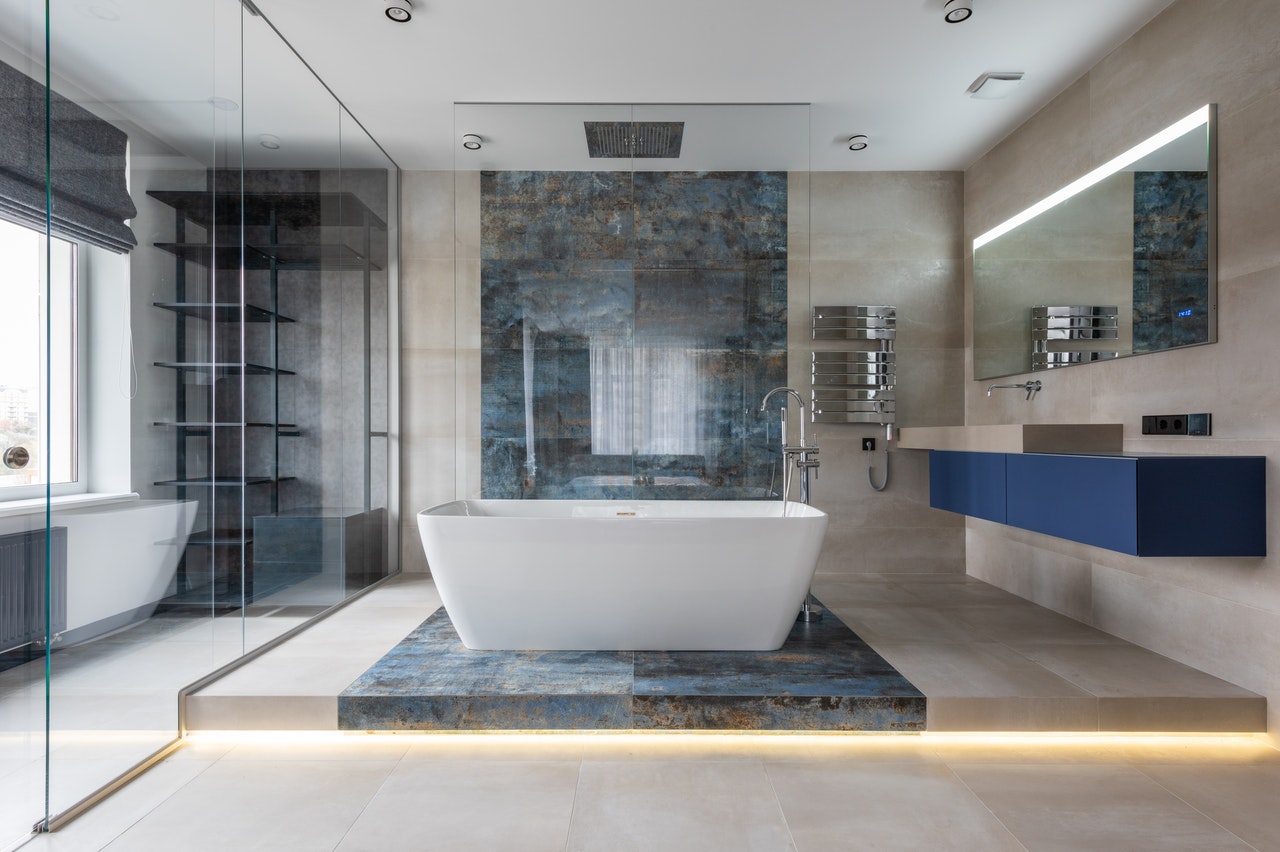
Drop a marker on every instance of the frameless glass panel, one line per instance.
(200, 335)
(24, 536)
(633, 277)
(155, 87)
(368, 182)
(296, 261)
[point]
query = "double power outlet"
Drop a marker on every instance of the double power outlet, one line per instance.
(1177, 424)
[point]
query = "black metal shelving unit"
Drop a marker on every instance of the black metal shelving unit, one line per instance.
(220, 237)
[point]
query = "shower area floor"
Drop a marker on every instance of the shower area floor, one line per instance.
(984, 660)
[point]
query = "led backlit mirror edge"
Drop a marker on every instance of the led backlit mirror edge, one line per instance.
(1205, 115)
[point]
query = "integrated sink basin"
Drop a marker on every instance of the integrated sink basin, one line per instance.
(1016, 438)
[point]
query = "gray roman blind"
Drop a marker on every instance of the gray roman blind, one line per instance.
(87, 166)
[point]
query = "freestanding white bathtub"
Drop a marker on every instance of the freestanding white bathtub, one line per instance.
(661, 575)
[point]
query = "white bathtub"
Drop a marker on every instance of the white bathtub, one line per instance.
(694, 575)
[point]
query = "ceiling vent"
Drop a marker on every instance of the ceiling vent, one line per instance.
(634, 139)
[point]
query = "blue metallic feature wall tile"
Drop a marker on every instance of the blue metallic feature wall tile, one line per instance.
(710, 218)
(503, 463)
(690, 266)
(594, 298)
(556, 215)
(1170, 259)
(778, 713)
(823, 678)
(486, 713)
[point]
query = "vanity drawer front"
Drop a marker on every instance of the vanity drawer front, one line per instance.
(1202, 506)
(1090, 499)
(1144, 505)
(968, 483)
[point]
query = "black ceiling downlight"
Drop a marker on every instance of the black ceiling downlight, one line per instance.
(956, 11)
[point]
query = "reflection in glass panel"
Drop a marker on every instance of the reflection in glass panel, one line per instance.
(234, 354)
(631, 319)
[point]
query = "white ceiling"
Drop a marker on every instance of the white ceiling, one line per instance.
(892, 69)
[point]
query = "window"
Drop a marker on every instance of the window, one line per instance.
(38, 410)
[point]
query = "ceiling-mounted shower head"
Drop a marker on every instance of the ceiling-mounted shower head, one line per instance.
(634, 139)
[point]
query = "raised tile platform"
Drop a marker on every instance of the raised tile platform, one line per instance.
(824, 678)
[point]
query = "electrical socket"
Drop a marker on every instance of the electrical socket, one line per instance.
(868, 444)
(1164, 424)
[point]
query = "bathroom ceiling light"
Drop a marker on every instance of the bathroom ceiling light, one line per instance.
(955, 11)
(269, 141)
(224, 104)
(858, 142)
(400, 11)
(995, 84)
(471, 142)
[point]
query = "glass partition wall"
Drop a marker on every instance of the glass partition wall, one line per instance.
(195, 389)
(624, 284)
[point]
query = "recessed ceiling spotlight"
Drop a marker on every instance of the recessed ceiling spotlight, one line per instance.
(858, 142)
(471, 142)
(224, 104)
(400, 11)
(269, 141)
(955, 11)
(995, 84)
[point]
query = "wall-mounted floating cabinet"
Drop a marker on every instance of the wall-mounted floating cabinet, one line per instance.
(1145, 505)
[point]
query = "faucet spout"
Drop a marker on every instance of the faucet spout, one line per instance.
(799, 401)
(1032, 387)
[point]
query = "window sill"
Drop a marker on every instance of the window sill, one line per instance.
(34, 505)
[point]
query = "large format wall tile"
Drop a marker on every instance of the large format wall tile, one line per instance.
(1219, 615)
(610, 301)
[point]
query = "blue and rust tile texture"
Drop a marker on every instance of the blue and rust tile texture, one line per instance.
(1170, 259)
(824, 678)
(688, 261)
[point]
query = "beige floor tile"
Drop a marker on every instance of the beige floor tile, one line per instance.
(97, 828)
(975, 670)
(276, 805)
(461, 806)
(1177, 750)
(319, 747)
(675, 806)
(258, 713)
(1028, 624)
(908, 623)
(1126, 671)
(847, 805)
(1176, 713)
(1242, 799)
(487, 747)
(1053, 714)
(1097, 808)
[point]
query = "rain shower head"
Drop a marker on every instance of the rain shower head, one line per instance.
(648, 139)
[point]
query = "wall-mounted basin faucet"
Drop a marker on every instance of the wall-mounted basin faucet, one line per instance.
(1031, 387)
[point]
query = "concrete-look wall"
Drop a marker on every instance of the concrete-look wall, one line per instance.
(887, 238)
(1219, 615)
(854, 238)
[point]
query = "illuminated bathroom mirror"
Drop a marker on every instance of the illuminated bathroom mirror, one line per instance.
(1120, 262)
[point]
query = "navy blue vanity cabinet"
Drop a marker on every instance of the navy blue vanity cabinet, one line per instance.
(1143, 505)
(968, 483)
(1136, 504)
